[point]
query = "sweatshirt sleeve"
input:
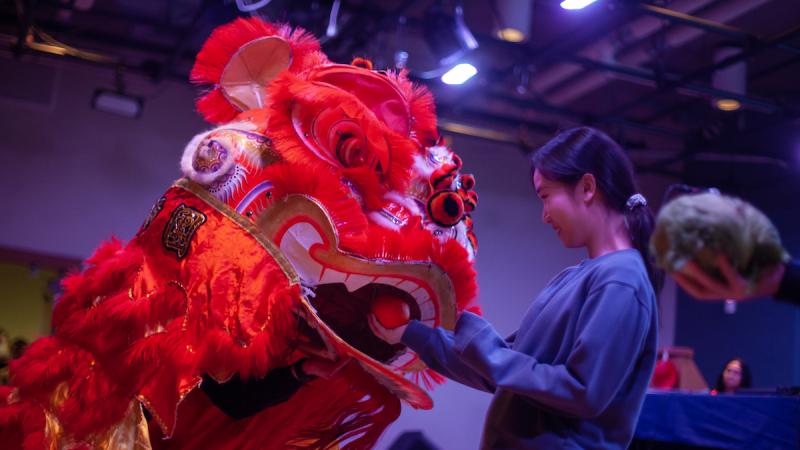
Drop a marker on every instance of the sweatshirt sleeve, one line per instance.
(610, 332)
(435, 347)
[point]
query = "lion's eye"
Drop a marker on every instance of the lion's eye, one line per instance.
(346, 139)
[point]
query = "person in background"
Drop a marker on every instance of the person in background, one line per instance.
(5, 356)
(18, 346)
(574, 375)
(734, 376)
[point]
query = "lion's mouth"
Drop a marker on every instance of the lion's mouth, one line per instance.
(342, 286)
(346, 313)
(340, 290)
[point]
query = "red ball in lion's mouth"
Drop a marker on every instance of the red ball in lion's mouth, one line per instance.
(391, 311)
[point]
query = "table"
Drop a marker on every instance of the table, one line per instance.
(746, 421)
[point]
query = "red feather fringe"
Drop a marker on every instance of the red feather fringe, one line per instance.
(452, 258)
(21, 424)
(422, 105)
(99, 351)
(427, 378)
(287, 90)
(366, 418)
(326, 187)
(415, 244)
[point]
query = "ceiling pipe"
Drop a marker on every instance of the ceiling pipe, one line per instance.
(674, 38)
(650, 78)
(697, 22)
(527, 140)
(636, 31)
(775, 41)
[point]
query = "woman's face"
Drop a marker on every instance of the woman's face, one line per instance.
(561, 210)
(732, 375)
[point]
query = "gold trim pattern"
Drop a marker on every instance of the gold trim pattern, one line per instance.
(249, 227)
(184, 221)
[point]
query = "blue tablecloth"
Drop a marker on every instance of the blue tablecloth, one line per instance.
(721, 421)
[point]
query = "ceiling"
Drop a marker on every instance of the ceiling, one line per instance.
(642, 71)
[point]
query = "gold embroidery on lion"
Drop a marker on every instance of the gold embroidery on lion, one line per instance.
(183, 223)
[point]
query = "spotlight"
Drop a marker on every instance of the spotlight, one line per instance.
(513, 19)
(117, 103)
(523, 77)
(448, 37)
(400, 59)
(727, 104)
(511, 35)
(459, 74)
(576, 4)
(731, 79)
(248, 6)
(333, 20)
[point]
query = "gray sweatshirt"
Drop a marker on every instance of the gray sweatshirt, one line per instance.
(575, 373)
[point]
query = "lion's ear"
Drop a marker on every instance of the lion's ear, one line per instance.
(239, 61)
(245, 78)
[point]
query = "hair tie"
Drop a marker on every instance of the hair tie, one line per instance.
(636, 200)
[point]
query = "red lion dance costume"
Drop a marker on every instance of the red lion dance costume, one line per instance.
(324, 195)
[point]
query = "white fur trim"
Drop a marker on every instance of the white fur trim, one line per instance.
(422, 166)
(404, 201)
(194, 145)
(461, 236)
(383, 221)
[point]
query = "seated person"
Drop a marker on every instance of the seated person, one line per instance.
(734, 376)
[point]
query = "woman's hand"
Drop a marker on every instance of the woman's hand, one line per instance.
(388, 335)
(702, 286)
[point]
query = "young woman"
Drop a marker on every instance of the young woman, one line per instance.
(574, 374)
(734, 376)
